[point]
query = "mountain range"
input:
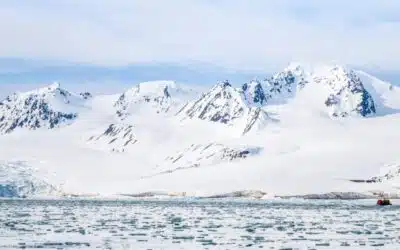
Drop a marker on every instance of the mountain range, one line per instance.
(301, 131)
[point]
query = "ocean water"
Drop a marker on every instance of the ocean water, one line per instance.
(197, 224)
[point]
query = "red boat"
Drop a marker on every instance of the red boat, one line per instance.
(383, 202)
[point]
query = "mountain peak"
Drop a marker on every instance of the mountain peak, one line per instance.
(347, 92)
(160, 96)
(47, 107)
(227, 105)
(226, 83)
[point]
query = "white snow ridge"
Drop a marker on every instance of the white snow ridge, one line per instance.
(160, 96)
(310, 132)
(48, 107)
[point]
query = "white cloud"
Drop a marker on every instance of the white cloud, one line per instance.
(253, 34)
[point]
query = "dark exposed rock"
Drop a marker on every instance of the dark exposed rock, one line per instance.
(86, 95)
(117, 136)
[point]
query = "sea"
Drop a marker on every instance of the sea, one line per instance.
(197, 224)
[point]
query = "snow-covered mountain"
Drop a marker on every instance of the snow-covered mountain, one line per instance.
(343, 90)
(284, 85)
(301, 131)
(148, 102)
(157, 96)
(228, 105)
(348, 95)
(48, 107)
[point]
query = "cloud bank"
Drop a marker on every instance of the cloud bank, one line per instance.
(236, 34)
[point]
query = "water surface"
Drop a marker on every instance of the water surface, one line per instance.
(197, 224)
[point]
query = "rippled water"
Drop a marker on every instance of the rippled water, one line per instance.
(72, 224)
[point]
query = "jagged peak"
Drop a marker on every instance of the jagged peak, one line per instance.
(46, 107)
(226, 83)
(316, 68)
(221, 85)
(254, 93)
(50, 92)
(236, 107)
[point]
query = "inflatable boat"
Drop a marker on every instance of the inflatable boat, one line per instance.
(383, 202)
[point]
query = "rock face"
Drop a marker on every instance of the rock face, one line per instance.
(18, 180)
(199, 155)
(222, 103)
(228, 105)
(49, 107)
(348, 96)
(254, 93)
(284, 85)
(116, 137)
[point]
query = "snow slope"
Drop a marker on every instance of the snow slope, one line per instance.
(172, 138)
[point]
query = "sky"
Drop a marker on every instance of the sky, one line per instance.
(252, 35)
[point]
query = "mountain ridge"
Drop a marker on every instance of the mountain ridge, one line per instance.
(257, 136)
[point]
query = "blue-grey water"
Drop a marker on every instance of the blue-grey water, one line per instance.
(197, 224)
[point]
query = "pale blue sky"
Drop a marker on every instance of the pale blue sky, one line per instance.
(250, 35)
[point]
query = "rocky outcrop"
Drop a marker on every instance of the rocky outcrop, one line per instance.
(199, 155)
(117, 137)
